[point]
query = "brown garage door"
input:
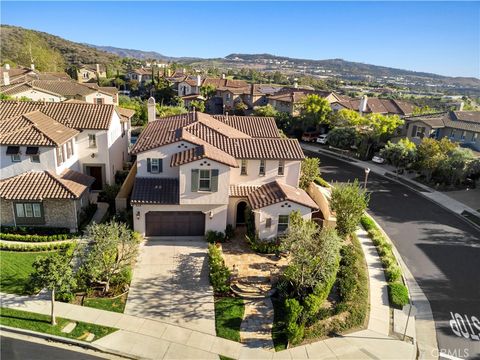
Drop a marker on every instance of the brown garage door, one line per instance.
(174, 223)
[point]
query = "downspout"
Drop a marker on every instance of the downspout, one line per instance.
(14, 218)
(75, 214)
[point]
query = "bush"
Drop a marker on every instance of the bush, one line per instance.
(33, 230)
(229, 232)
(295, 331)
(320, 181)
(120, 176)
(214, 236)
(36, 238)
(398, 294)
(37, 247)
(86, 215)
(219, 273)
(393, 273)
(64, 297)
(123, 278)
(368, 223)
(263, 246)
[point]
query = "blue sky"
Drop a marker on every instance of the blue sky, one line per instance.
(438, 37)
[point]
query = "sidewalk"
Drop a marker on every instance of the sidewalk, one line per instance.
(438, 197)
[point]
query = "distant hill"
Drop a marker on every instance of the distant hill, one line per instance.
(140, 54)
(72, 53)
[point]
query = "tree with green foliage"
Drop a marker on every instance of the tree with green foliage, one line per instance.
(349, 201)
(35, 50)
(400, 154)
(346, 117)
(455, 169)
(315, 110)
(343, 137)
(240, 108)
(310, 171)
(163, 111)
(265, 111)
(199, 105)
(113, 248)
(208, 91)
(431, 154)
(421, 110)
(137, 104)
(54, 273)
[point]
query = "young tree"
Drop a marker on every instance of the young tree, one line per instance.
(400, 154)
(349, 201)
(113, 249)
(432, 154)
(315, 110)
(309, 172)
(198, 105)
(266, 111)
(455, 168)
(208, 91)
(346, 117)
(55, 274)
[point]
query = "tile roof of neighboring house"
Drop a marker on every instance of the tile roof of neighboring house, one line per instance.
(219, 83)
(125, 114)
(203, 152)
(34, 128)
(461, 120)
(381, 106)
(255, 126)
(241, 190)
(110, 90)
(155, 191)
(142, 71)
(275, 192)
(297, 95)
(39, 185)
(200, 129)
(80, 116)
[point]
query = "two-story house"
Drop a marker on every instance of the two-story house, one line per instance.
(142, 75)
(90, 72)
(462, 127)
(197, 173)
(367, 105)
(289, 100)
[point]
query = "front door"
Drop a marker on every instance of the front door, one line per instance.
(96, 172)
(241, 207)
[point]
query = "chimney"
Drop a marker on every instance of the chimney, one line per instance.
(460, 106)
(32, 66)
(295, 83)
(223, 76)
(362, 107)
(7, 67)
(98, 68)
(199, 80)
(151, 110)
(6, 78)
(226, 115)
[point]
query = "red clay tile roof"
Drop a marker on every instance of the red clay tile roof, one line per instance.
(155, 191)
(382, 106)
(203, 152)
(275, 192)
(255, 126)
(71, 114)
(39, 185)
(297, 95)
(241, 190)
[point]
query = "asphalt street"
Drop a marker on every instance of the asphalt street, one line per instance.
(441, 250)
(15, 349)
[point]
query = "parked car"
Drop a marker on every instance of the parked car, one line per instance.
(322, 139)
(309, 136)
(378, 159)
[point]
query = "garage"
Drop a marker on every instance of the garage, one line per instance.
(174, 223)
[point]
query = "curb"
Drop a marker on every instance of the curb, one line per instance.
(60, 339)
(424, 346)
(391, 176)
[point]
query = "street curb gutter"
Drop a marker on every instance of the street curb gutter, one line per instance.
(60, 339)
(426, 338)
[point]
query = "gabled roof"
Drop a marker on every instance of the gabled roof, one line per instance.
(34, 128)
(380, 106)
(255, 126)
(204, 151)
(241, 190)
(461, 120)
(80, 116)
(124, 113)
(39, 185)
(155, 191)
(198, 128)
(276, 192)
(297, 95)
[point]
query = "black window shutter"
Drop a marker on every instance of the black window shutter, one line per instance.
(149, 165)
(160, 165)
(214, 181)
(195, 177)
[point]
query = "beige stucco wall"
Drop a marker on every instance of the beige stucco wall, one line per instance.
(290, 177)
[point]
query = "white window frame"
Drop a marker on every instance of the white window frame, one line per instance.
(262, 167)
(281, 167)
(16, 158)
(204, 178)
(35, 158)
(92, 141)
(154, 162)
(282, 224)
(244, 167)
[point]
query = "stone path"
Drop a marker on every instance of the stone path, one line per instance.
(102, 208)
(256, 328)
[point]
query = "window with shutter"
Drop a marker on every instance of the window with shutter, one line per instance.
(214, 181)
(194, 180)
(268, 223)
(149, 165)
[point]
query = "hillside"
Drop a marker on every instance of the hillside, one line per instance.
(142, 55)
(14, 42)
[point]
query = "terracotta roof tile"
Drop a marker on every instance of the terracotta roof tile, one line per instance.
(255, 126)
(202, 152)
(155, 191)
(39, 185)
(275, 192)
(241, 190)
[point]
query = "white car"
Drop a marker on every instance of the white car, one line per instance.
(378, 159)
(322, 139)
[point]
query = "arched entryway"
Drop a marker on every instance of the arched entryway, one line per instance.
(240, 217)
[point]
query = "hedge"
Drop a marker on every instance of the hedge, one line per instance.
(263, 246)
(219, 273)
(41, 247)
(397, 291)
(33, 230)
(36, 238)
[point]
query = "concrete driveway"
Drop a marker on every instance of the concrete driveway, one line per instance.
(170, 283)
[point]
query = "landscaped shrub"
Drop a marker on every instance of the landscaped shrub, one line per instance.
(122, 279)
(213, 236)
(320, 181)
(398, 294)
(219, 273)
(250, 222)
(36, 247)
(294, 329)
(37, 238)
(229, 232)
(263, 246)
(33, 230)
(86, 215)
(393, 273)
(367, 223)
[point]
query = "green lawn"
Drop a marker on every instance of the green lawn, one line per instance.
(228, 317)
(116, 305)
(15, 268)
(41, 323)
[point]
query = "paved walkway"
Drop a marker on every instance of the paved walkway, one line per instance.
(102, 208)
(170, 283)
(256, 327)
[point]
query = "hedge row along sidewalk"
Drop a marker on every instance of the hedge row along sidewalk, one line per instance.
(397, 291)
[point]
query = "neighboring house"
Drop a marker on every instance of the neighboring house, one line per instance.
(289, 100)
(142, 75)
(91, 72)
(462, 127)
(88, 138)
(367, 105)
(192, 84)
(59, 90)
(197, 173)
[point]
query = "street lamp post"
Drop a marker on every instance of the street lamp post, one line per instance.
(367, 171)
